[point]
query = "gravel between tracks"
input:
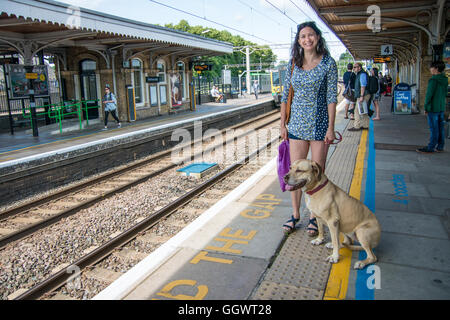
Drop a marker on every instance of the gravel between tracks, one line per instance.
(25, 263)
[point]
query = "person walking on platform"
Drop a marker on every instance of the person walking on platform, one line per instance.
(256, 89)
(313, 75)
(110, 101)
(349, 85)
(435, 101)
(362, 96)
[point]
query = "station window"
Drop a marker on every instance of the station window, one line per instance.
(161, 66)
(88, 79)
(153, 96)
(136, 65)
(163, 94)
(88, 65)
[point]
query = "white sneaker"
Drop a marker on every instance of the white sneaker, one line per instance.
(119, 125)
(105, 128)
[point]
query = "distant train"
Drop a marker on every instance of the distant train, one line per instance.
(277, 77)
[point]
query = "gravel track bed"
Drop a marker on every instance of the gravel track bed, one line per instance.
(87, 288)
(25, 263)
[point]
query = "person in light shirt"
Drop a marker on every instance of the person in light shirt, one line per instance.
(216, 94)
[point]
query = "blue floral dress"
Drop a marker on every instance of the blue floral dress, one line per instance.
(314, 90)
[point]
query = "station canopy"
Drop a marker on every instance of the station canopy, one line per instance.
(364, 26)
(29, 26)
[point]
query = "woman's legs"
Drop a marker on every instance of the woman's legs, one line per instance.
(377, 110)
(298, 149)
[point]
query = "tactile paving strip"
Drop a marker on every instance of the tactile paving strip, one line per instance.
(275, 291)
(298, 247)
(300, 270)
(297, 272)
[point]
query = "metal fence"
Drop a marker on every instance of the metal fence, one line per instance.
(204, 85)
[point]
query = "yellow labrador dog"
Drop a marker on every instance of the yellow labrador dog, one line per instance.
(340, 212)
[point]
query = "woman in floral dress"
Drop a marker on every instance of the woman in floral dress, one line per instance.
(313, 108)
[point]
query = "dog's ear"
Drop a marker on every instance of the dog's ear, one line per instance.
(317, 169)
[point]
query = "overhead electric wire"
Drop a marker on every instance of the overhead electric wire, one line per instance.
(301, 10)
(281, 11)
(212, 21)
(257, 11)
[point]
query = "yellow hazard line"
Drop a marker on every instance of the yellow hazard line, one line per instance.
(338, 280)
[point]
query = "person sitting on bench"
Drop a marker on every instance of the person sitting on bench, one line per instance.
(216, 94)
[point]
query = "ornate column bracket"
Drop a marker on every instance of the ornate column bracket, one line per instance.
(106, 54)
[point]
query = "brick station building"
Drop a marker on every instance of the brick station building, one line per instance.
(92, 49)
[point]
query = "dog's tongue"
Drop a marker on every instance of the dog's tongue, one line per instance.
(291, 188)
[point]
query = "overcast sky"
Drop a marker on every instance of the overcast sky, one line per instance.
(255, 20)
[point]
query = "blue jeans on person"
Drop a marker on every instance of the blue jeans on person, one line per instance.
(436, 122)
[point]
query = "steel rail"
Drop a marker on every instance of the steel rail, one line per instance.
(61, 277)
(19, 234)
(136, 164)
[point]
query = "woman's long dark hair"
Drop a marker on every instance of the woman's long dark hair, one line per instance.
(297, 51)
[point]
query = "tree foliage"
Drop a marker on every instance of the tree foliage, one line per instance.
(264, 55)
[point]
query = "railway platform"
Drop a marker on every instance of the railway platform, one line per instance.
(30, 165)
(237, 251)
(22, 146)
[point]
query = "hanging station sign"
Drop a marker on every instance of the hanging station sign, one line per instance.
(382, 59)
(387, 50)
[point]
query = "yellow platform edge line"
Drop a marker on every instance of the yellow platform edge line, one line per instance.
(338, 280)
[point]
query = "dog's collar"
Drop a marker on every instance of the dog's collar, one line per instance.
(317, 189)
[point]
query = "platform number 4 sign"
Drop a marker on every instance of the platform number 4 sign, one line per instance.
(386, 50)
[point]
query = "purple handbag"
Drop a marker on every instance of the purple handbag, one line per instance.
(284, 163)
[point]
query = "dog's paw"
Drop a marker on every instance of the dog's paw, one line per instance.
(333, 259)
(329, 245)
(317, 241)
(359, 265)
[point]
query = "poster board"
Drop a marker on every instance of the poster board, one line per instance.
(131, 103)
(226, 76)
(447, 58)
(18, 81)
(402, 99)
(176, 90)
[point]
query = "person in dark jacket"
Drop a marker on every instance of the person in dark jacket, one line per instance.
(349, 81)
(435, 101)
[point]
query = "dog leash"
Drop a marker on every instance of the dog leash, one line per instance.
(338, 139)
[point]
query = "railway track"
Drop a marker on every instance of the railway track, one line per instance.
(28, 218)
(98, 253)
